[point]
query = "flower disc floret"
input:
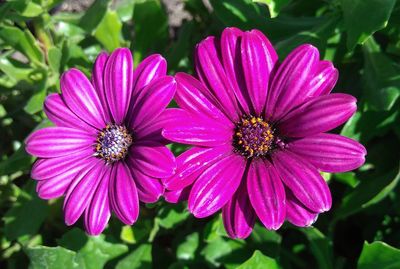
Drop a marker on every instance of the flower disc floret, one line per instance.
(113, 143)
(253, 137)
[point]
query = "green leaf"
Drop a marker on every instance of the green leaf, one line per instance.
(94, 15)
(369, 192)
(139, 258)
(51, 258)
(151, 28)
(27, 9)
(92, 251)
(381, 78)
(259, 261)
(171, 215)
(54, 58)
(215, 250)
(186, 250)
(321, 247)
(362, 18)
(19, 161)
(125, 9)
(379, 255)
(108, 32)
(274, 6)
(16, 71)
(316, 36)
(35, 103)
(26, 216)
(23, 41)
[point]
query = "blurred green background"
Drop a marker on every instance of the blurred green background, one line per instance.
(40, 39)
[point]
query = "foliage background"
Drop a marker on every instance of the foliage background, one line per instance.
(39, 40)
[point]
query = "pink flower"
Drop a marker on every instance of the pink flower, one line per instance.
(106, 152)
(258, 131)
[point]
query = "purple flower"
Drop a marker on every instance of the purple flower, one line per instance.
(258, 131)
(106, 152)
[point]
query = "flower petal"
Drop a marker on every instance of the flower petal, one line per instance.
(267, 194)
(118, 83)
(123, 194)
(330, 152)
(57, 141)
(152, 131)
(216, 186)
(303, 180)
(57, 186)
(58, 112)
(323, 80)
(286, 88)
(238, 214)
(81, 190)
(80, 96)
(190, 97)
(149, 189)
(200, 131)
(152, 101)
(212, 74)
(192, 163)
(232, 61)
(148, 70)
(297, 213)
(178, 195)
(258, 60)
(318, 115)
(48, 168)
(152, 158)
(98, 83)
(98, 211)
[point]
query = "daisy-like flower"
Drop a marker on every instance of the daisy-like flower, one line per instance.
(106, 152)
(258, 131)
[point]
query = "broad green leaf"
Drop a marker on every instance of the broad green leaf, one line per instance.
(151, 28)
(35, 103)
(370, 191)
(54, 58)
(171, 215)
(362, 18)
(22, 41)
(321, 247)
(29, 9)
(108, 32)
(140, 258)
(127, 234)
(348, 178)
(16, 71)
(125, 9)
(274, 6)
(52, 258)
(186, 250)
(381, 78)
(215, 250)
(364, 126)
(259, 261)
(94, 15)
(19, 161)
(214, 229)
(92, 251)
(379, 255)
(316, 36)
(267, 241)
(26, 216)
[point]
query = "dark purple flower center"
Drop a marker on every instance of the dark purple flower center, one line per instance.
(113, 143)
(253, 137)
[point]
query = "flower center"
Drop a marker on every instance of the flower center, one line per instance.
(113, 143)
(253, 136)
